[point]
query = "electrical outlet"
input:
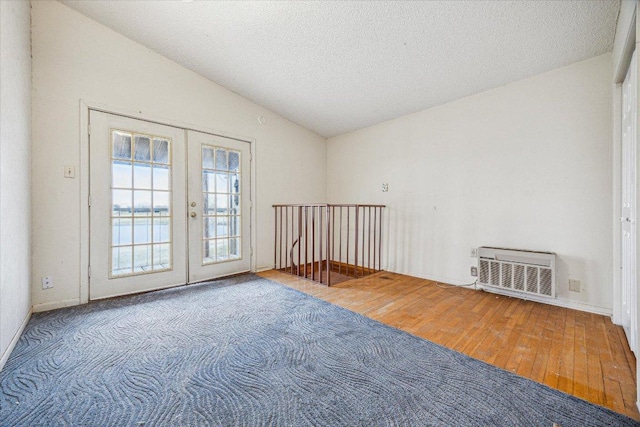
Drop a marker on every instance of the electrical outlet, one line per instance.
(474, 252)
(574, 285)
(385, 187)
(474, 271)
(47, 282)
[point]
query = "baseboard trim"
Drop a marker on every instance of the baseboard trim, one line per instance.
(574, 305)
(264, 268)
(38, 308)
(14, 340)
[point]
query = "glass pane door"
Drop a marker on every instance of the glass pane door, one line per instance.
(219, 241)
(137, 213)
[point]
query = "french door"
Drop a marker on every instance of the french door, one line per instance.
(628, 219)
(167, 206)
(219, 206)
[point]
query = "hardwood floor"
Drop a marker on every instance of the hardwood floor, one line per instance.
(579, 353)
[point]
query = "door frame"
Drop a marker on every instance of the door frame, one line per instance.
(83, 175)
(621, 66)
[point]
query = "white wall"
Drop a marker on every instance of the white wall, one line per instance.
(15, 172)
(75, 58)
(527, 165)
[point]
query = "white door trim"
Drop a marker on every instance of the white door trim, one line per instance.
(83, 174)
(620, 72)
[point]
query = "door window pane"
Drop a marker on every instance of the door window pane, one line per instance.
(209, 227)
(121, 202)
(222, 226)
(121, 174)
(142, 231)
(222, 204)
(222, 249)
(121, 231)
(234, 226)
(121, 261)
(142, 258)
(140, 203)
(208, 182)
(209, 251)
(209, 204)
(221, 159)
(222, 183)
(161, 230)
(121, 145)
(142, 176)
(160, 177)
(234, 161)
(234, 183)
(234, 248)
(143, 148)
(161, 151)
(162, 257)
(207, 157)
(161, 203)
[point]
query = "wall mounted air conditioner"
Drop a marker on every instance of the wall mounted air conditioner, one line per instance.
(513, 270)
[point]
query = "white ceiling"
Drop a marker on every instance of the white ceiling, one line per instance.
(334, 67)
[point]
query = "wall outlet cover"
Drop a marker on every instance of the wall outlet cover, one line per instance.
(474, 271)
(47, 282)
(574, 285)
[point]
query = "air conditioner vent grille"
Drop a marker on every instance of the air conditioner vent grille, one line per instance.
(484, 271)
(495, 273)
(532, 279)
(506, 278)
(519, 271)
(546, 281)
(518, 280)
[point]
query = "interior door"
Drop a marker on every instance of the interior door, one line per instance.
(219, 206)
(628, 219)
(137, 206)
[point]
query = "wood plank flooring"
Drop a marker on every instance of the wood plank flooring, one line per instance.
(579, 353)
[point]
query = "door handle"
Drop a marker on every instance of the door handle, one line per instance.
(193, 214)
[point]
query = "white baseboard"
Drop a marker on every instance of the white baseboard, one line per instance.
(14, 340)
(443, 280)
(55, 304)
(575, 305)
(557, 302)
(263, 268)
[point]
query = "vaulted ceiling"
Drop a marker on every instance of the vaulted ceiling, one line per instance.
(334, 67)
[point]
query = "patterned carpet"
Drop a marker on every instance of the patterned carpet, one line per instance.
(249, 352)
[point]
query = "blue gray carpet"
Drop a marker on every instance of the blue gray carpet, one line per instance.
(249, 352)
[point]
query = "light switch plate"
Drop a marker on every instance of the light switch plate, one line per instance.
(69, 172)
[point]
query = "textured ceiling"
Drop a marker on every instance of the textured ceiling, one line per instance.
(334, 67)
